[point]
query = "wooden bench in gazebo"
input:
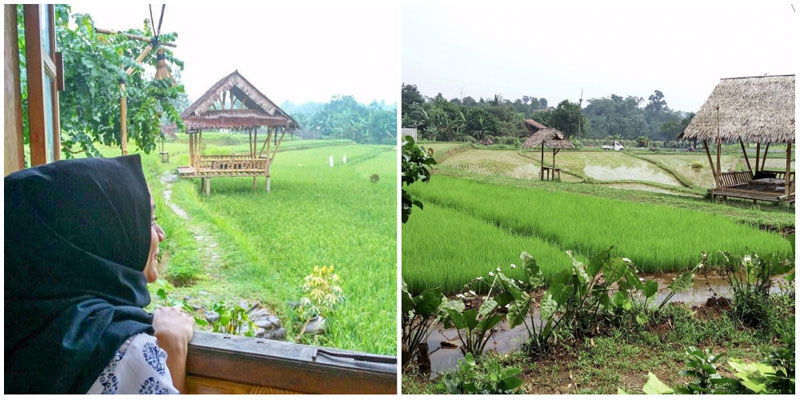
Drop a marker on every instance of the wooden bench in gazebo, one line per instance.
(234, 103)
(756, 110)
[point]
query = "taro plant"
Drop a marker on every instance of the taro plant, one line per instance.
(773, 375)
(233, 320)
(750, 280)
(494, 379)
(165, 299)
(419, 313)
(476, 327)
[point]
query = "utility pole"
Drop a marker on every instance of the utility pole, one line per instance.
(580, 114)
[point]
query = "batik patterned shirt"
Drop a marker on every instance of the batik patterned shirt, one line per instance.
(138, 367)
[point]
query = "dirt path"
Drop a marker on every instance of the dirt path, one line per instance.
(205, 242)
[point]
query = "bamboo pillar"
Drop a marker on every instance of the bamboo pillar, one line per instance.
(541, 171)
(746, 159)
(758, 154)
(764, 159)
(711, 163)
(719, 154)
(788, 168)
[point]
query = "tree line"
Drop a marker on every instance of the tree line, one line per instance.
(345, 118)
(467, 119)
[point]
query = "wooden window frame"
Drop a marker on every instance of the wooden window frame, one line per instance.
(39, 63)
(13, 141)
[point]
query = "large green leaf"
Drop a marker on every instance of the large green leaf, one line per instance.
(548, 306)
(487, 307)
(655, 386)
(650, 288)
(682, 282)
(428, 302)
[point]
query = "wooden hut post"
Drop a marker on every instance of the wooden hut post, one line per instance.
(746, 159)
(764, 159)
(758, 153)
(541, 171)
(711, 163)
(788, 168)
(719, 154)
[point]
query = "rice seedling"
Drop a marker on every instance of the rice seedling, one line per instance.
(445, 248)
(656, 238)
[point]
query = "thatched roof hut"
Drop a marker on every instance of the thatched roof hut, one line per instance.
(758, 109)
(551, 138)
(253, 109)
(534, 126)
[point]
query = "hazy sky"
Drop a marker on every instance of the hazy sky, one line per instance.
(290, 52)
(554, 50)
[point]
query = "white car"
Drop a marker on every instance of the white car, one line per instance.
(615, 147)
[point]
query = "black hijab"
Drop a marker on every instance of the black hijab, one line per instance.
(77, 238)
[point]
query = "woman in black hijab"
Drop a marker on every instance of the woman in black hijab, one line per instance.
(80, 246)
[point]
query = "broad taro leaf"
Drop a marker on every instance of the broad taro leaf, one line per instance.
(548, 306)
(650, 288)
(533, 274)
(428, 302)
(622, 301)
(598, 261)
(470, 318)
(558, 292)
(641, 318)
(510, 384)
(579, 269)
(489, 323)
(615, 270)
(487, 307)
(655, 386)
(518, 311)
(682, 282)
(509, 284)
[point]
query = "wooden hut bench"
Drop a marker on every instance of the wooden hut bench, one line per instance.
(736, 178)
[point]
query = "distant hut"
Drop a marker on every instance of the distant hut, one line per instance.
(756, 110)
(234, 104)
(534, 126)
(551, 138)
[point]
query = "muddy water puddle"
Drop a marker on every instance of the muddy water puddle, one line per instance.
(443, 343)
(637, 172)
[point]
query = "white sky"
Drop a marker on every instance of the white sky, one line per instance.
(553, 50)
(303, 52)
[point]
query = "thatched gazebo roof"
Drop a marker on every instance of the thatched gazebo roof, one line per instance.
(551, 137)
(256, 110)
(534, 125)
(757, 109)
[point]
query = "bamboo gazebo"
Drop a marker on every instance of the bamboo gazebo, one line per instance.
(756, 110)
(234, 104)
(551, 138)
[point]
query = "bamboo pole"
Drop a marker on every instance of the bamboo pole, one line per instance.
(788, 168)
(269, 136)
(758, 153)
(719, 154)
(541, 172)
(746, 159)
(131, 36)
(711, 163)
(764, 159)
(277, 145)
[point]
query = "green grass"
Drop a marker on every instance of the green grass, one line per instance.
(445, 248)
(268, 242)
(657, 238)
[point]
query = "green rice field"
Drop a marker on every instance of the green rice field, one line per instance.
(657, 238)
(240, 244)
